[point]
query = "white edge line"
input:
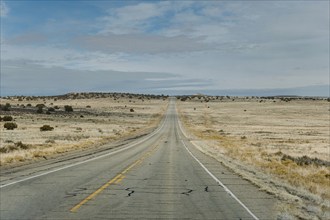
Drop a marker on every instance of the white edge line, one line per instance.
(89, 160)
(215, 178)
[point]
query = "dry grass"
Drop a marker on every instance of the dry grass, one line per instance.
(104, 120)
(289, 141)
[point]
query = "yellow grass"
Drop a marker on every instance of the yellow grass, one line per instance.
(108, 119)
(260, 134)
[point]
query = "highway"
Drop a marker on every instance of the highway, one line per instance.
(157, 176)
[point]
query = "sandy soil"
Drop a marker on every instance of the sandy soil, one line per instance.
(282, 146)
(96, 119)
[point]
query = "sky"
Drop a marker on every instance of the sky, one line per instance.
(164, 47)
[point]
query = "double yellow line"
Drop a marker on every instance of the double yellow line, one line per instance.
(117, 179)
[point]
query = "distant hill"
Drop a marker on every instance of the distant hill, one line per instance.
(317, 91)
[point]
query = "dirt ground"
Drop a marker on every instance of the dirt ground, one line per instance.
(281, 145)
(95, 120)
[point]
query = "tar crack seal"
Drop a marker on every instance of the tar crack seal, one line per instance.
(75, 192)
(131, 191)
(188, 192)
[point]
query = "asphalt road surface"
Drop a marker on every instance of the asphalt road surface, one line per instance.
(158, 176)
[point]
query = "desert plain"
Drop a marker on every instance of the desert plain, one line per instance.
(280, 144)
(95, 119)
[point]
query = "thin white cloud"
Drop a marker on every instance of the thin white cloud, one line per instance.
(132, 18)
(4, 9)
(142, 43)
(59, 80)
(28, 38)
(51, 56)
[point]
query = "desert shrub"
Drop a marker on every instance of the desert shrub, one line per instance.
(46, 128)
(29, 105)
(21, 145)
(10, 125)
(88, 106)
(40, 105)
(305, 160)
(12, 148)
(51, 109)
(68, 108)
(39, 111)
(49, 141)
(7, 118)
(5, 107)
(56, 107)
(131, 110)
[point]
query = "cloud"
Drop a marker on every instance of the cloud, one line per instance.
(52, 56)
(209, 44)
(37, 80)
(132, 18)
(4, 9)
(27, 38)
(142, 43)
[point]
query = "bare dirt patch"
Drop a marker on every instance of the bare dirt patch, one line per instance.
(281, 145)
(47, 126)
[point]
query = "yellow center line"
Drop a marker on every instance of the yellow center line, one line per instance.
(91, 196)
(120, 179)
(115, 180)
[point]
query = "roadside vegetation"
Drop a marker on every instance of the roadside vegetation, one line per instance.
(34, 128)
(279, 143)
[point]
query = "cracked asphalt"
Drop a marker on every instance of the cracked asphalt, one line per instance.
(153, 179)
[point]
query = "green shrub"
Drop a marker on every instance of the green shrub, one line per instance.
(10, 125)
(40, 105)
(39, 111)
(68, 108)
(7, 118)
(46, 128)
(5, 107)
(21, 145)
